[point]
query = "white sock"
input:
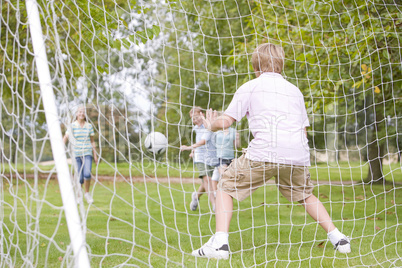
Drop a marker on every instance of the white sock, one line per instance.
(334, 236)
(221, 238)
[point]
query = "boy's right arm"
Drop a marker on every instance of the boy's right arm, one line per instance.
(191, 147)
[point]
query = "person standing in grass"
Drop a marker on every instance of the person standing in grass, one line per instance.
(82, 140)
(278, 119)
(204, 157)
(226, 142)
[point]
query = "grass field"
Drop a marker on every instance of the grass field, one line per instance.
(149, 224)
(343, 171)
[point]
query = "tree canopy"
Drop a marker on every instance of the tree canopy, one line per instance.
(344, 57)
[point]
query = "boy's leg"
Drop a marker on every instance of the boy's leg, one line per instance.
(318, 212)
(200, 190)
(295, 184)
(202, 174)
(218, 245)
(208, 188)
(237, 182)
(195, 196)
(224, 211)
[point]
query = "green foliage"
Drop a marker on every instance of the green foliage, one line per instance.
(345, 58)
(85, 42)
(199, 68)
(95, 37)
(326, 44)
(20, 113)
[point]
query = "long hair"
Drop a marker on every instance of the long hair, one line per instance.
(79, 108)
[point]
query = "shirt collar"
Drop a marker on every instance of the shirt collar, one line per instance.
(272, 74)
(78, 124)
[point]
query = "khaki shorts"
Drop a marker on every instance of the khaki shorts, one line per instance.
(244, 176)
(204, 170)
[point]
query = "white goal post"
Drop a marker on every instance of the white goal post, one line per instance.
(55, 136)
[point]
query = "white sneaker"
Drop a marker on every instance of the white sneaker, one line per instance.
(343, 245)
(208, 250)
(194, 201)
(89, 198)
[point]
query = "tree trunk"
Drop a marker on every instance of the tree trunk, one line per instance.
(376, 148)
(375, 156)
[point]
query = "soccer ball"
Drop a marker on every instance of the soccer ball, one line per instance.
(156, 142)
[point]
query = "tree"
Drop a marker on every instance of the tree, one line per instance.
(199, 66)
(341, 48)
(326, 45)
(87, 43)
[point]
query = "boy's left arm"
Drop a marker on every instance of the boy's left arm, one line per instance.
(214, 122)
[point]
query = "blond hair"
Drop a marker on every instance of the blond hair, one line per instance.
(79, 108)
(268, 58)
(195, 109)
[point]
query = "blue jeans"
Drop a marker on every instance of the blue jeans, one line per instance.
(84, 166)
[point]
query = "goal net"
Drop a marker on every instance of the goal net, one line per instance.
(141, 66)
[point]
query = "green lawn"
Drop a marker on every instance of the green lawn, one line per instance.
(150, 224)
(344, 171)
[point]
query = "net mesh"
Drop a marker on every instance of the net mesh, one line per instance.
(140, 67)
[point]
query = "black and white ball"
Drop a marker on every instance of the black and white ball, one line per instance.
(156, 142)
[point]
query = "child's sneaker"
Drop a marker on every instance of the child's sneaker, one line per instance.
(343, 245)
(89, 199)
(210, 251)
(194, 201)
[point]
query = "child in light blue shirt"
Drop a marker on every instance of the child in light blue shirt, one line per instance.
(225, 142)
(204, 156)
(225, 145)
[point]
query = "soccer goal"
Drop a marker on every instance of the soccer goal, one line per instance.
(125, 69)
